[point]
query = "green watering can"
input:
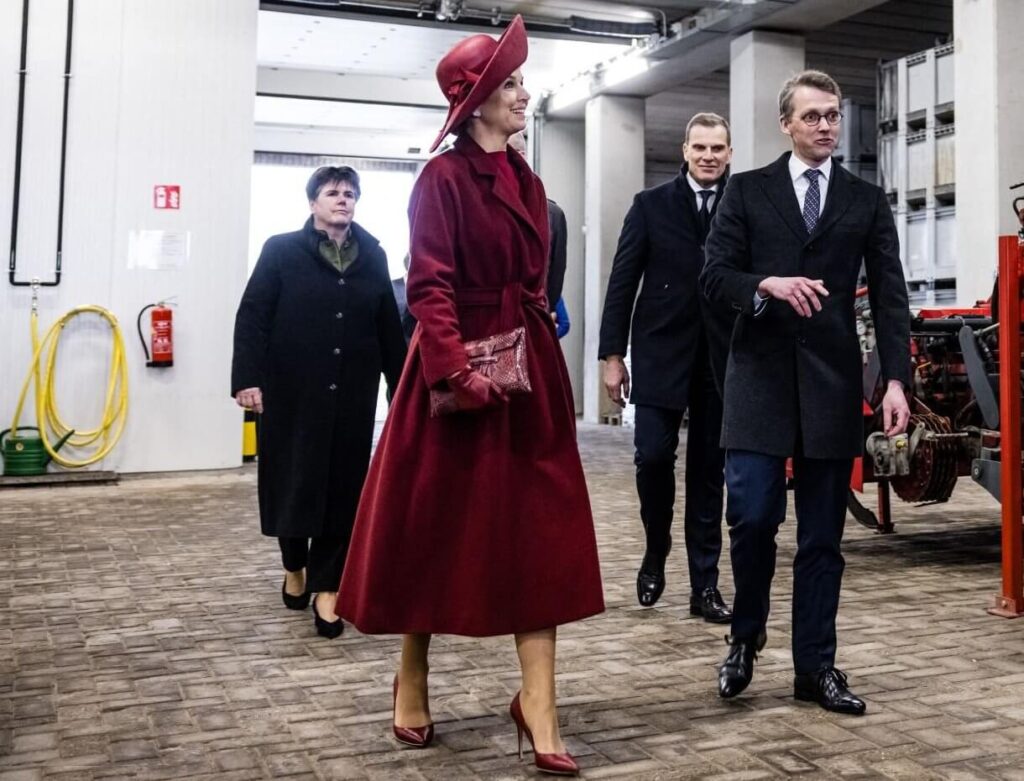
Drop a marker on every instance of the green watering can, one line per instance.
(26, 456)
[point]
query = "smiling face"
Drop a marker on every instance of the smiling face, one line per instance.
(334, 206)
(812, 143)
(707, 153)
(504, 111)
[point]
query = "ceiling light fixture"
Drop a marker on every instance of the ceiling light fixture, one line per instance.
(581, 24)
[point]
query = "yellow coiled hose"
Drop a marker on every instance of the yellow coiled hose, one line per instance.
(48, 419)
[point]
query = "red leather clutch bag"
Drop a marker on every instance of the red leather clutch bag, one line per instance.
(501, 357)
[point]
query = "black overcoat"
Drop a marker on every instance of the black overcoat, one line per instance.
(789, 377)
(315, 341)
(559, 235)
(661, 243)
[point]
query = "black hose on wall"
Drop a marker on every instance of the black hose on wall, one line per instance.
(19, 140)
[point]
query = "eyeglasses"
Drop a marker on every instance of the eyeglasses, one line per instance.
(813, 119)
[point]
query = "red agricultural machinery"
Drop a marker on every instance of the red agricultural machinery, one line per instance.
(965, 404)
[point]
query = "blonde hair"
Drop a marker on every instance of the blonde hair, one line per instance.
(809, 78)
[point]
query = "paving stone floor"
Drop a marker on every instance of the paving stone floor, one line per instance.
(142, 636)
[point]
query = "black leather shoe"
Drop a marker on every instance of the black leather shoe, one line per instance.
(650, 580)
(711, 606)
(738, 668)
(292, 602)
(828, 688)
(328, 629)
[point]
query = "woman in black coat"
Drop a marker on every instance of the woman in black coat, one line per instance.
(316, 327)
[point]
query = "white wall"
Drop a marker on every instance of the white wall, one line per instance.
(162, 93)
(561, 167)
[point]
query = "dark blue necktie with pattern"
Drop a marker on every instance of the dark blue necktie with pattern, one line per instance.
(812, 201)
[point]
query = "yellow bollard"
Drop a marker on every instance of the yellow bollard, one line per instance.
(250, 446)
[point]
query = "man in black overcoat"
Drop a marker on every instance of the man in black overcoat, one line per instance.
(316, 328)
(678, 345)
(785, 251)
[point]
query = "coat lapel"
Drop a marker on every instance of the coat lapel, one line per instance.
(778, 188)
(686, 202)
(837, 201)
(530, 212)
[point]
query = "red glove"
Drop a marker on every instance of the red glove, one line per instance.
(473, 390)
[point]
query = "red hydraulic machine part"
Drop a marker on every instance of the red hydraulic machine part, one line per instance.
(1010, 602)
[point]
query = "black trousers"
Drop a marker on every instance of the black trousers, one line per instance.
(656, 438)
(756, 508)
(322, 557)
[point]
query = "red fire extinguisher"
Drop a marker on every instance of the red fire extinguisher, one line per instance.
(161, 338)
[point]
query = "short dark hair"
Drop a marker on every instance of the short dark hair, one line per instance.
(707, 119)
(331, 174)
(809, 78)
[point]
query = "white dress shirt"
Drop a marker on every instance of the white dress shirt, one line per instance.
(801, 183)
(698, 188)
(797, 168)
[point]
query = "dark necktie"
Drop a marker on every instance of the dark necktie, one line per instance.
(704, 212)
(812, 201)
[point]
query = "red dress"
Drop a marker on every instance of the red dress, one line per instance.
(477, 523)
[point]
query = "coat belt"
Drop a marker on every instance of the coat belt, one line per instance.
(509, 298)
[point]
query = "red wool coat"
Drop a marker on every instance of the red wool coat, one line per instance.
(476, 523)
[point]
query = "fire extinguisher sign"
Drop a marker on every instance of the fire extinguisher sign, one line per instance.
(167, 196)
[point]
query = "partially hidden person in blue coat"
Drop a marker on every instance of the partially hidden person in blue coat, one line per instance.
(561, 318)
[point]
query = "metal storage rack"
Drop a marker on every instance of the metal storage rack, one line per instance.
(917, 167)
(857, 149)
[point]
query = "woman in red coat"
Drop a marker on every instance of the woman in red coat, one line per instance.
(478, 522)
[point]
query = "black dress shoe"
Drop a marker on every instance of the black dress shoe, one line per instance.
(711, 606)
(328, 629)
(738, 668)
(650, 580)
(292, 602)
(828, 688)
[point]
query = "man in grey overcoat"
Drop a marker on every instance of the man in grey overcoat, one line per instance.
(784, 254)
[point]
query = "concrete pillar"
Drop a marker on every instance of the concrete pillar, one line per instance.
(559, 153)
(614, 163)
(989, 100)
(759, 63)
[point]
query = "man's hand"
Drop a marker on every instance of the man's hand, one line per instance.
(895, 412)
(250, 398)
(616, 379)
(800, 293)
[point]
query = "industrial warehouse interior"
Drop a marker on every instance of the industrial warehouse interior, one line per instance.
(157, 168)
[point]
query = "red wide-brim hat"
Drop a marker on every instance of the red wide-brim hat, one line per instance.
(474, 68)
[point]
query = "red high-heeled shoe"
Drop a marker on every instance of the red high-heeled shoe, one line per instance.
(556, 764)
(417, 737)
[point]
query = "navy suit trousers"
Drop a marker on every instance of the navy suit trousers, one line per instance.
(656, 438)
(756, 507)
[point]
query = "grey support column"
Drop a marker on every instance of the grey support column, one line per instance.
(559, 158)
(760, 63)
(614, 174)
(989, 135)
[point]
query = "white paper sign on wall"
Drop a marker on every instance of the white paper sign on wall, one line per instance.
(155, 249)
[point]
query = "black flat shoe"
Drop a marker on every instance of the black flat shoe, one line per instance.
(738, 668)
(650, 580)
(300, 602)
(710, 605)
(828, 688)
(328, 629)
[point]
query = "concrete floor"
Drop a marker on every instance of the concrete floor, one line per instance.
(142, 636)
